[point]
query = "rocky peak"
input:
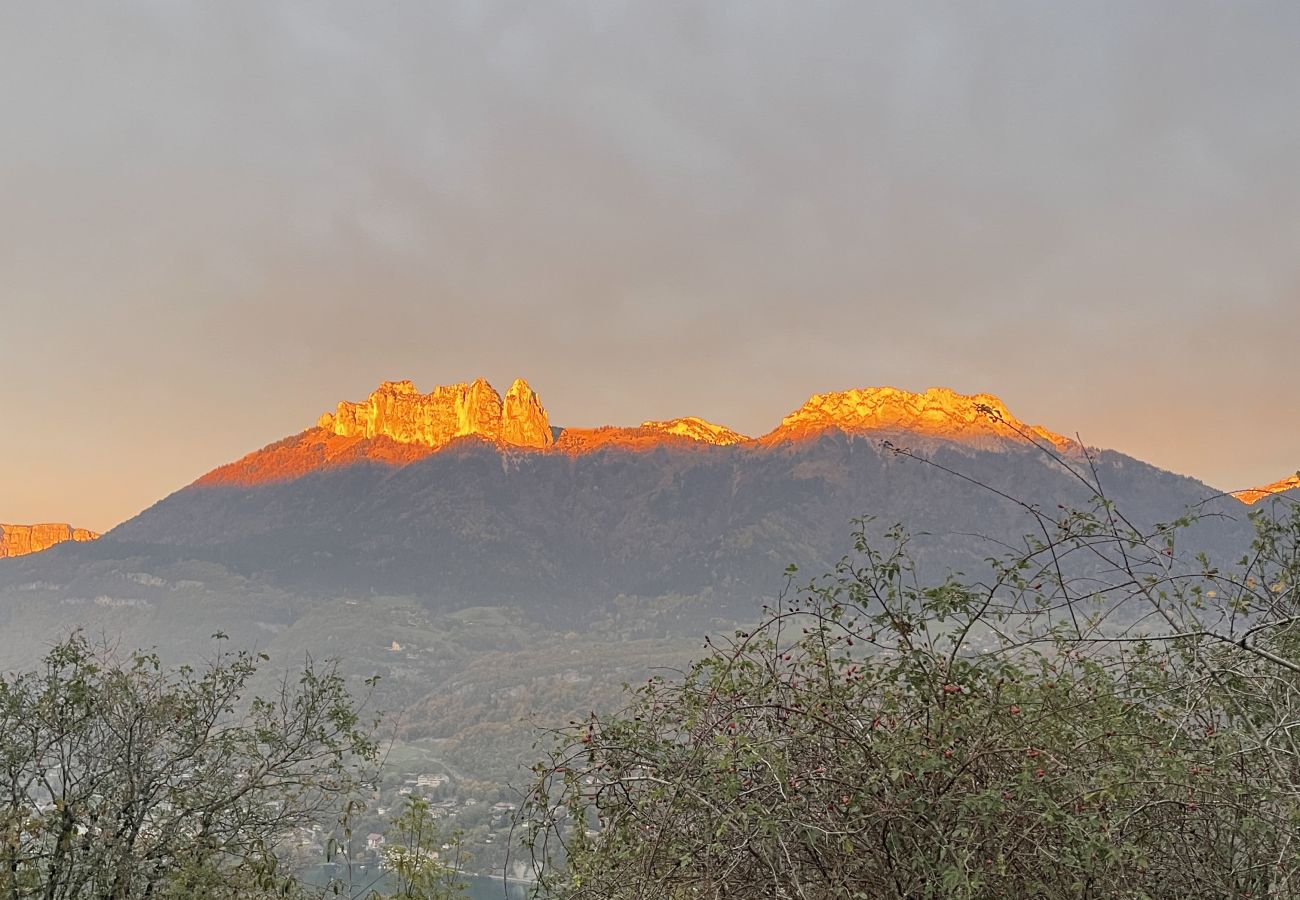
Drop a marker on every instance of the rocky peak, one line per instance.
(405, 386)
(698, 429)
(980, 419)
(1254, 495)
(397, 410)
(523, 419)
(19, 540)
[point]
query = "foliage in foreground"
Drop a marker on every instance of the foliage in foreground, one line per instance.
(878, 737)
(424, 863)
(124, 779)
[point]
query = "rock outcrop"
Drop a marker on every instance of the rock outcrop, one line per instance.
(698, 429)
(20, 540)
(980, 420)
(396, 410)
(523, 418)
(1254, 495)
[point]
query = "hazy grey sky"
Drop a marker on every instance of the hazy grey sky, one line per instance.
(219, 218)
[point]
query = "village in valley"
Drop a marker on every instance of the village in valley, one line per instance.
(482, 825)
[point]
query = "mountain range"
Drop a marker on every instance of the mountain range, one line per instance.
(397, 425)
(504, 556)
(461, 497)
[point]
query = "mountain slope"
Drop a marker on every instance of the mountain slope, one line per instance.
(478, 522)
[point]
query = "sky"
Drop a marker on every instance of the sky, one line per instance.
(219, 219)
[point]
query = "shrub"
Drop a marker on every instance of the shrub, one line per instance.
(1105, 715)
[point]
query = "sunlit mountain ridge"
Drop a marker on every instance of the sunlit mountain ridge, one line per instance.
(397, 425)
(1281, 486)
(465, 496)
(21, 540)
(462, 497)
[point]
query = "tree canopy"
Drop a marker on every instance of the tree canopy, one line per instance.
(1104, 715)
(125, 779)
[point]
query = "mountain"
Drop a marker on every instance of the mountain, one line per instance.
(490, 565)
(397, 425)
(461, 497)
(20, 540)
(697, 429)
(1281, 486)
(981, 421)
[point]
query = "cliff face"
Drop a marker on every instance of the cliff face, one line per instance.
(20, 540)
(396, 410)
(523, 418)
(979, 420)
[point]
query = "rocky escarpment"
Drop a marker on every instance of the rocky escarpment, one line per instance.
(1254, 495)
(398, 411)
(20, 540)
(398, 425)
(979, 420)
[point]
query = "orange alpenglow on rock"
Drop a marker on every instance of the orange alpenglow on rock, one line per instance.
(523, 418)
(698, 429)
(980, 420)
(1254, 495)
(397, 425)
(687, 432)
(20, 540)
(396, 410)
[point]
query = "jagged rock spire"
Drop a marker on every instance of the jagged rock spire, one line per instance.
(523, 418)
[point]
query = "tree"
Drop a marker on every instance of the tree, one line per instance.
(123, 779)
(1102, 715)
(424, 862)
